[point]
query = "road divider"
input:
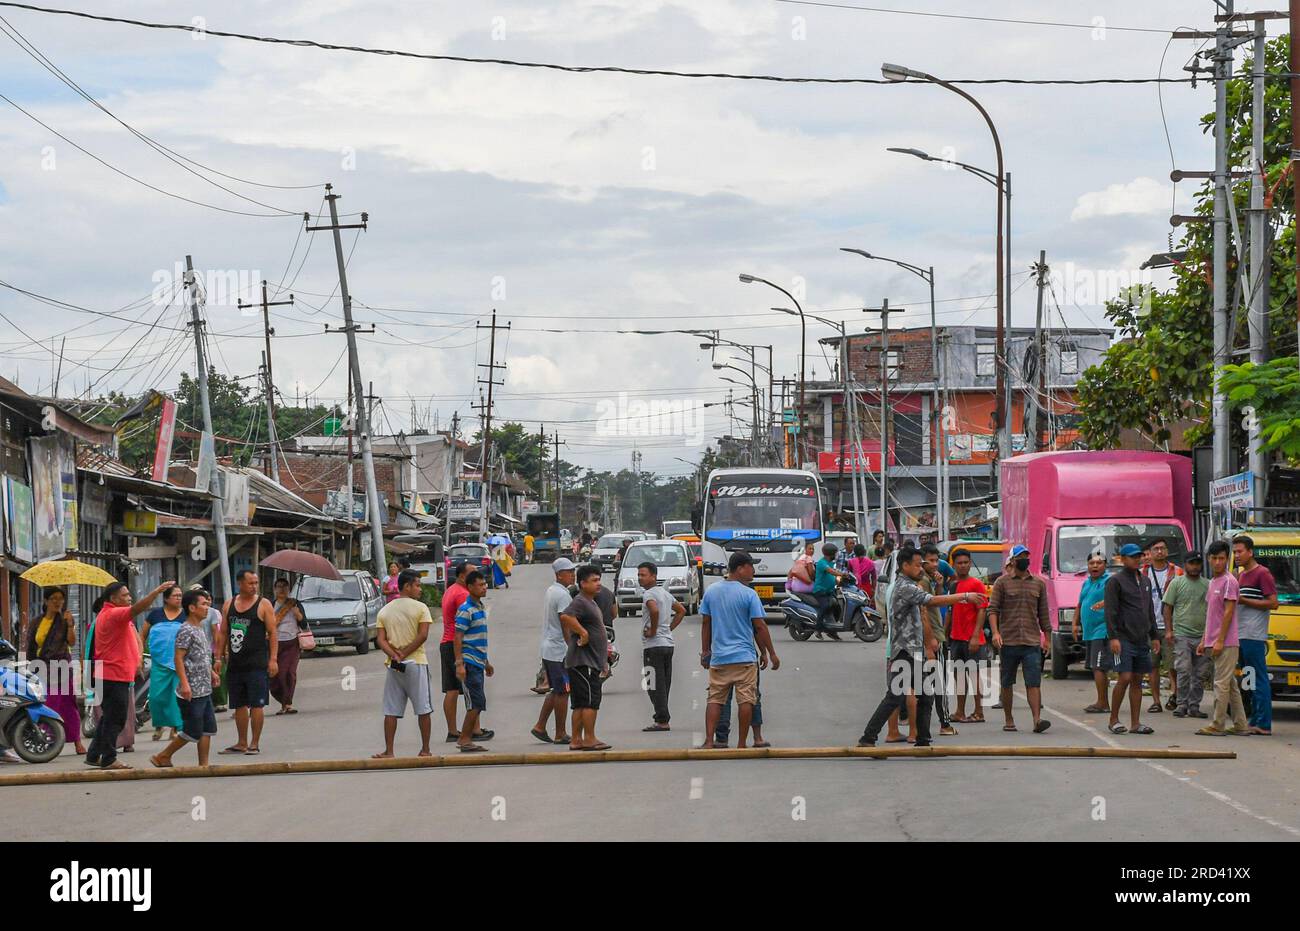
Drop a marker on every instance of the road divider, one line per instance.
(304, 767)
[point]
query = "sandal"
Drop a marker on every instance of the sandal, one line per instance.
(1009, 728)
(655, 727)
(975, 719)
(761, 744)
(1142, 729)
(1117, 728)
(472, 748)
(233, 749)
(562, 739)
(599, 746)
(1096, 709)
(541, 735)
(155, 762)
(1156, 708)
(252, 751)
(117, 764)
(1042, 726)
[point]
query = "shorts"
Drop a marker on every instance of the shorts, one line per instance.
(584, 688)
(475, 697)
(1133, 657)
(1099, 658)
(1014, 657)
(411, 684)
(447, 660)
(959, 651)
(743, 677)
(197, 718)
(556, 677)
(248, 688)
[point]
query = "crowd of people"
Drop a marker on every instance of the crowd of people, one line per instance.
(1200, 623)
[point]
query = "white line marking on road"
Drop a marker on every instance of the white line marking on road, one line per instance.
(697, 787)
(1213, 793)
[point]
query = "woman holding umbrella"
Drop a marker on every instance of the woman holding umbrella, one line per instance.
(159, 634)
(51, 637)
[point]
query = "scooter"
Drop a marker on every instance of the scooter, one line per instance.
(142, 714)
(27, 725)
(851, 611)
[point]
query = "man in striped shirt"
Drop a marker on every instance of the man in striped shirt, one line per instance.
(470, 645)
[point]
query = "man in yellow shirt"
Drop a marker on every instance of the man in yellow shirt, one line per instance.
(528, 548)
(403, 627)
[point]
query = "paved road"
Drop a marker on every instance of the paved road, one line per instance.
(820, 696)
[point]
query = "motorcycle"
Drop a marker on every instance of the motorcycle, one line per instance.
(851, 611)
(584, 554)
(27, 725)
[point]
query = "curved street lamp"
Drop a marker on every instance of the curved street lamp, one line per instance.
(899, 73)
(803, 351)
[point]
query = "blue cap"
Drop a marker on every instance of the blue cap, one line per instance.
(1130, 549)
(1019, 550)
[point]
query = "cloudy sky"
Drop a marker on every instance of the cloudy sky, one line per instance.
(574, 204)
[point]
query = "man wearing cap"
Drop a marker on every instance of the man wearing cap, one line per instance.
(553, 649)
(1019, 619)
(734, 644)
(1134, 638)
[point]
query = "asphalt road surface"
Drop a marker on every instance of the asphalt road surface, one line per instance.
(821, 696)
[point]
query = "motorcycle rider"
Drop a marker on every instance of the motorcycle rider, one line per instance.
(824, 583)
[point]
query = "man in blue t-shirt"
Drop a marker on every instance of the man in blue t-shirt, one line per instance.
(825, 580)
(1090, 612)
(735, 644)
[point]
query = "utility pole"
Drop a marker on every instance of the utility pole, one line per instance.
(1257, 306)
(636, 474)
(559, 487)
(219, 504)
(271, 466)
(486, 453)
(1034, 426)
(268, 331)
(541, 469)
(884, 310)
(946, 516)
(1293, 62)
(373, 512)
(448, 480)
(1221, 422)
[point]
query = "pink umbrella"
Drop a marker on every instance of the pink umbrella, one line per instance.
(304, 563)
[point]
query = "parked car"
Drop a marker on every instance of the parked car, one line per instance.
(342, 612)
(477, 554)
(677, 573)
(605, 552)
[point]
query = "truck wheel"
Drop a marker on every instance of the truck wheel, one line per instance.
(1060, 660)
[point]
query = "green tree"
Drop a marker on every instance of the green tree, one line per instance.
(1160, 371)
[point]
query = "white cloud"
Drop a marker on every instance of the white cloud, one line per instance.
(1139, 196)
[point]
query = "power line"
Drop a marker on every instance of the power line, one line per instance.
(978, 19)
(552, 66)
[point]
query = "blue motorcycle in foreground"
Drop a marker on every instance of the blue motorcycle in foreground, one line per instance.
(27, 725)
(851, 612)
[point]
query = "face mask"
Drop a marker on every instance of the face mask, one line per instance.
(1022, 563)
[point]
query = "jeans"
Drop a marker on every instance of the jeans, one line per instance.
(941, 699)
(1192, 671)
(659, 660)
(896, 699)
(722, 733)
(824, 605)
(1259, 699)
(115, 701)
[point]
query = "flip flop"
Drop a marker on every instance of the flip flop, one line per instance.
(562, 739)
(117, 764)
(473, 748)
(655, 727)
(1042, 726)
(895, 740)
(1009, 728)
(1156, 708)
(599, 746)
(291, 711)
(252, 751)
(975, 719)
(541, 735)
(760, 744)
(380, 756)
(233, 749)
(1096, 709)
(571, 747)
(452, 738)
(154, 761)
(1117, 728)
(1142, 729)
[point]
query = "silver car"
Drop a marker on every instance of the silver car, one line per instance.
(677, 574)
(345, 612)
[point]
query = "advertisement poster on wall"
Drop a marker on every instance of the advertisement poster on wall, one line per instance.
(46, 497)
(68, 482)
(18, 520)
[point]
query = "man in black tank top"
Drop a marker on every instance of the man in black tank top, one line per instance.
(247, 647)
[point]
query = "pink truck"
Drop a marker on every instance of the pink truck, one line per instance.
(1067, 505)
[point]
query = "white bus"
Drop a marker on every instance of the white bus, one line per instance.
(769, 513)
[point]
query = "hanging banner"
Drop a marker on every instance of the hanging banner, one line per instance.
(18, 517)
(46, 497)
(166, 432)
(207, 456)
(94, 503)
(68, 484)
(235, 498)
(1229, 495)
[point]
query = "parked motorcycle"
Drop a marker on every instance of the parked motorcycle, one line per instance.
(27, 725)
(851, 611)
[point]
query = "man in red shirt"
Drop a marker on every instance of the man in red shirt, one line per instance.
(452, 599)
(966, 638)
(117, 660)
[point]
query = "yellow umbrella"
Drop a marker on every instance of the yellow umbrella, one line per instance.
(67, 572)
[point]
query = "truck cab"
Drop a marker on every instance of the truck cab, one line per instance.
(1278, 548)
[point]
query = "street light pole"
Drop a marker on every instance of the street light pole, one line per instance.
(803, 358)
(899, 73)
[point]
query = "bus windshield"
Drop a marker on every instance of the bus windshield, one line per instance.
(761, 508)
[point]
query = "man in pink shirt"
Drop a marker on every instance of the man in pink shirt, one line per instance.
(1222, 642)
(452, 599)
